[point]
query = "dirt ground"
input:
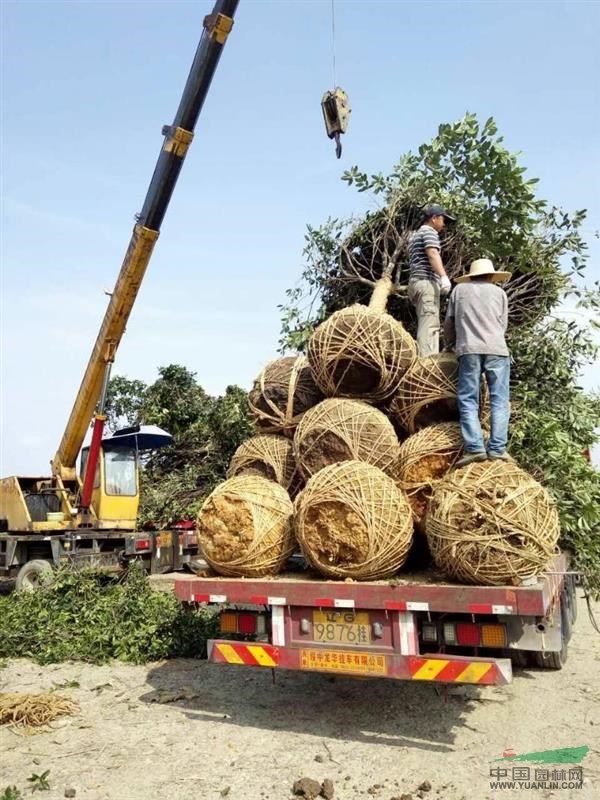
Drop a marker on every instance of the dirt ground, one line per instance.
(188, 729)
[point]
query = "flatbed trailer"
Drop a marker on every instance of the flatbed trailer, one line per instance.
(29, 557)
(416, 626)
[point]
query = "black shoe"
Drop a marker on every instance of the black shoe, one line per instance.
(471, 458)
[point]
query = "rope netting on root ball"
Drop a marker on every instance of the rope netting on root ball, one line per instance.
(245, 527)
(267, 455)
(352, 521)
(282, 393)
(425, 457)
(360, 352)
(491, 523)
(345, 430)
(426, 394)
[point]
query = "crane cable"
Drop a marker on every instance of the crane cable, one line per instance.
(334, 105)
(333, 41)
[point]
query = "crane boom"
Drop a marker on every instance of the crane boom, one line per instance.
(178, 137)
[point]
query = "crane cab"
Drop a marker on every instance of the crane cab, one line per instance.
(116, 494)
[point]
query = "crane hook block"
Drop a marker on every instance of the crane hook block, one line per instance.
(336, 113)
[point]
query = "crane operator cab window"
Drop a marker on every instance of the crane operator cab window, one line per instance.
(119, 468)
(120, 471)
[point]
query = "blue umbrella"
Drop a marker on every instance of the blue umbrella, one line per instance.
(140, 437)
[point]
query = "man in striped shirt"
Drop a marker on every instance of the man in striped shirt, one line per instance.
(427, 278)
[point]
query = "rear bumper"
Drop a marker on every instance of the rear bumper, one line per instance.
(437, 668)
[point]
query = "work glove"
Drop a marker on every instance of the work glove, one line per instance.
(445, 285)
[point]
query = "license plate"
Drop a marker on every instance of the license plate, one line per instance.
(343, 661)
(341, 627)
(164, 539)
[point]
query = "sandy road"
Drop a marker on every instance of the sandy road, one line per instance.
(187, 729)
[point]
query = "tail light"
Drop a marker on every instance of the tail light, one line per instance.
(243, 622)
(449, 633)
(142, 544)
(467, 633)
(493, 635)
(247, 623)
(429, 632)
(228, 622)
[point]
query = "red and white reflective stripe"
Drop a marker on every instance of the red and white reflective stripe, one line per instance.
(278, 625)
(210, 598)
(408, 634)
(264, 600)
(331, 602)
(487, 608)
(406, 605)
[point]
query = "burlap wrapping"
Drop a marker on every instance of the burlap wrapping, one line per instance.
(491, 523)
(282, 393)
(425, 457)
(353, 521)
(245, 527)
(360, 353)
(345, 430)
(267, 455)
(426, 394)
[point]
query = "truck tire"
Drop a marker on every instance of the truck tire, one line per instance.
(33, 574)
(556, 660)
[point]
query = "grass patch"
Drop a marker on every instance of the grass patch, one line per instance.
(87, 616)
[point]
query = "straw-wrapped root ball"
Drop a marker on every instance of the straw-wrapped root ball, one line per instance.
(426, 394)
(491, 523)
(345, 430)
(267, 455)
(245, 527)
(282, 393)
(425, 457)
(359, 352)
(352, 521)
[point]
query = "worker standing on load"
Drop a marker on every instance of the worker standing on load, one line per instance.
(427, 278)
(475, 326)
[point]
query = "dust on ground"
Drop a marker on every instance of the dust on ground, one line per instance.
(189, 730)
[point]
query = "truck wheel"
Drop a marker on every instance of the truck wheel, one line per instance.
(34, 574)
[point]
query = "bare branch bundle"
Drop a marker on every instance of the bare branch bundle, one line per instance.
(282, 393)
(345, 430)
(352, 521)
(267, 455)
(425, 457)
(28, 713)
(245, 527)
(491, 523)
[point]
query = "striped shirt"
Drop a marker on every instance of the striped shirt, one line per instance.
(420, 268)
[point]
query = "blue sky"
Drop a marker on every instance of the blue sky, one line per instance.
(86, 87)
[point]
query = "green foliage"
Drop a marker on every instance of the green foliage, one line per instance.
(11, 793)
(467, 169)
(39, 782)
(88, 616)
(206, 431)
(124, 401)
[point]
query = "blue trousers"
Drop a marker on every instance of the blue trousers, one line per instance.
(497, 374)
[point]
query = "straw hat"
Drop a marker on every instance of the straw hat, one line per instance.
(483, 266)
